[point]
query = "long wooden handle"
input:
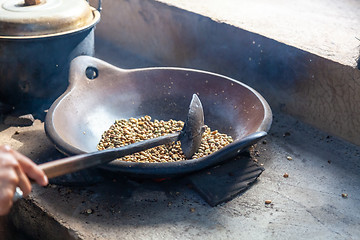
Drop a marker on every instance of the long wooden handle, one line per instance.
(79, 162)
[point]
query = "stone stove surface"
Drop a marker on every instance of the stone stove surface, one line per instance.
(322, 168)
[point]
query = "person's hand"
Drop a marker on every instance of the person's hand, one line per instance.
(15, 169)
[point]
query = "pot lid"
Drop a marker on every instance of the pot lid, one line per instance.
(44, 17)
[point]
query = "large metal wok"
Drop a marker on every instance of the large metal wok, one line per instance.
(100, 93)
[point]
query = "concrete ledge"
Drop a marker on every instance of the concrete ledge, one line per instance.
(329, 29)
(313, 88)
(28, 211)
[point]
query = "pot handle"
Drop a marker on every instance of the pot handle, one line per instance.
(99, 8)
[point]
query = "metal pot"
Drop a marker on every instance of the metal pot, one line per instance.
(37, 43)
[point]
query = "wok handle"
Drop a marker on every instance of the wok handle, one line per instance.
(79, 162)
